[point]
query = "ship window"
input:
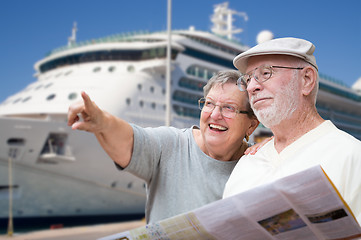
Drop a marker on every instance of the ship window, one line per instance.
(205, 75)
(151, 89)
(153, 53)
(68, 72)
(96, 69)
(17, 100)
(107, 55)
(72, 96)
(185, 97)
(163, 91)
(141, 103)
(200, 72)
(128, 101)
(139, 87)
(26, 99)
(162, 52)
(145, 55)
(38, 87)
(48, 85)
(153, 105)
(208, 57)
(51, 97)
(131, 68)
(187, 112)
(58, 75)
(191, 84)
(16, 141)
(5, 192)
(111, 69)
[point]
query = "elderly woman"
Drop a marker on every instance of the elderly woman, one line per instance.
(183, 168)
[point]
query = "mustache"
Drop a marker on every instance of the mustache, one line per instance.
(258, 96)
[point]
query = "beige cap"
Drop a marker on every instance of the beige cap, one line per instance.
(285, 46)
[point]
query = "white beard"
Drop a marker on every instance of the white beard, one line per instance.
(284, 104)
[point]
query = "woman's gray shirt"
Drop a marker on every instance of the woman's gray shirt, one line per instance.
(179, 175)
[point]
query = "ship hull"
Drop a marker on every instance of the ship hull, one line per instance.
(75, 182)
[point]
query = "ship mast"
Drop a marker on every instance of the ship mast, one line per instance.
(168, 73)
(72, 38)
(222, 20)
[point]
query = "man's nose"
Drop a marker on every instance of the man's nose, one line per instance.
(254, 85)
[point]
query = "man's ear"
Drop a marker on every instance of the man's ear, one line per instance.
(253, 126)
(309, 80)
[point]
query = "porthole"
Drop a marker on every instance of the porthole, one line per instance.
(153, 105)
(58, 75)
(72, 96)
(131, 68)
(96, 69)
(141, 103)
(17, 100)
(111, 69)
(26, 99)
(151, 89)
(128, 101)
(48, 85)
(139, 87)
(51, 97)
(163, 91)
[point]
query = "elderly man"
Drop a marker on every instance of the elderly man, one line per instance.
(281, 78)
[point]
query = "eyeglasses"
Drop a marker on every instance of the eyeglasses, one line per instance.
(227, 110)
(260, 74)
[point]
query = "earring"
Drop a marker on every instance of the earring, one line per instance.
(247, 137)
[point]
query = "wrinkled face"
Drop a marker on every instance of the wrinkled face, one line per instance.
(276, 99)
(218, 130)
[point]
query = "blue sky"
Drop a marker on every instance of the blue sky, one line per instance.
(30, 29)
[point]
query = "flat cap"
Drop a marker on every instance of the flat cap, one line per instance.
(284, 46)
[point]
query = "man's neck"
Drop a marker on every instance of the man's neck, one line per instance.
(291, 129)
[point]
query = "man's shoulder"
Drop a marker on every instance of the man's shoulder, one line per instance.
(344, 139)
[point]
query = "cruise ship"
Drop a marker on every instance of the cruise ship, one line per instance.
(50, 172)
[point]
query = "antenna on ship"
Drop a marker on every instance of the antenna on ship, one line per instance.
(222, 20)
(72, 39)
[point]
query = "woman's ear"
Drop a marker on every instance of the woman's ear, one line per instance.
(309, 80)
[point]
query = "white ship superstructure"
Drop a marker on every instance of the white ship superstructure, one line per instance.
(58, 172)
